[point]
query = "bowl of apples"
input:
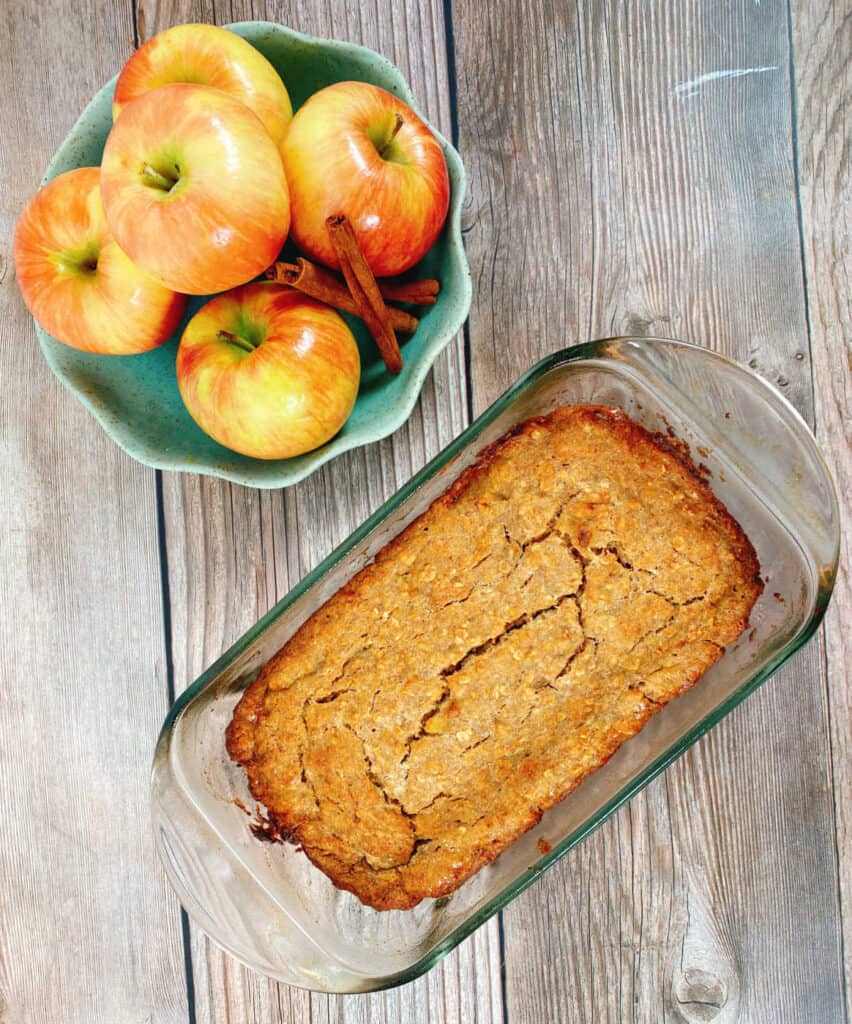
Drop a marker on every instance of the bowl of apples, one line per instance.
(246, 255)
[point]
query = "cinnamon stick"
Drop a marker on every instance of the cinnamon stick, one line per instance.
(419, 293)
(327, 287)
(362, 285)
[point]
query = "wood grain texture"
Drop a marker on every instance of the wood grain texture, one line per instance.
(633, 168)
(233, 552)
(822, 42)
(632, 172)
(89, 930)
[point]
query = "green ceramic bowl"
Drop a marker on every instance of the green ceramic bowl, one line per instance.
(136, 399)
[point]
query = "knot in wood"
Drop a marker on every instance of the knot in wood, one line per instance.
(699, 996)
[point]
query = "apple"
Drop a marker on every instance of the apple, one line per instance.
(267, 371)
(194, 189)
(355, 149)
(77, 282)
(208, 55)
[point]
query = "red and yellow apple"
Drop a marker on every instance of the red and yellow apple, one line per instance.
(76, 281)
(208, 55)
(267, 371)
(193, 188)
(355, 149)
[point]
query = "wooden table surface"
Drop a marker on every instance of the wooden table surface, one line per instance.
(671, 167)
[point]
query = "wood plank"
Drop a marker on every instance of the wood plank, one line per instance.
(89, 930)
(233, 552)
(822, 41)
(632, 172)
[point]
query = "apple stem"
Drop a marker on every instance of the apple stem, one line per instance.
(398, 123)
(235, 339)
(155, 179)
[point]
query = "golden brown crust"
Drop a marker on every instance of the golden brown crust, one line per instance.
(572, 581)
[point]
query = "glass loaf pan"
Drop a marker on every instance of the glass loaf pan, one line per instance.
(266, 904)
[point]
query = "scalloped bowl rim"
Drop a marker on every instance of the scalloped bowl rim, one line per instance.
(141, 451)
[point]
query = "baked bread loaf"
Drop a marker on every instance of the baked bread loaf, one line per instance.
(572, 581)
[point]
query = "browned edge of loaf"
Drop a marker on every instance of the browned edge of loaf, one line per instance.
(240, 731)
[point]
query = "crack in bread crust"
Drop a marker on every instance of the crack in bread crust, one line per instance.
(568, 585)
